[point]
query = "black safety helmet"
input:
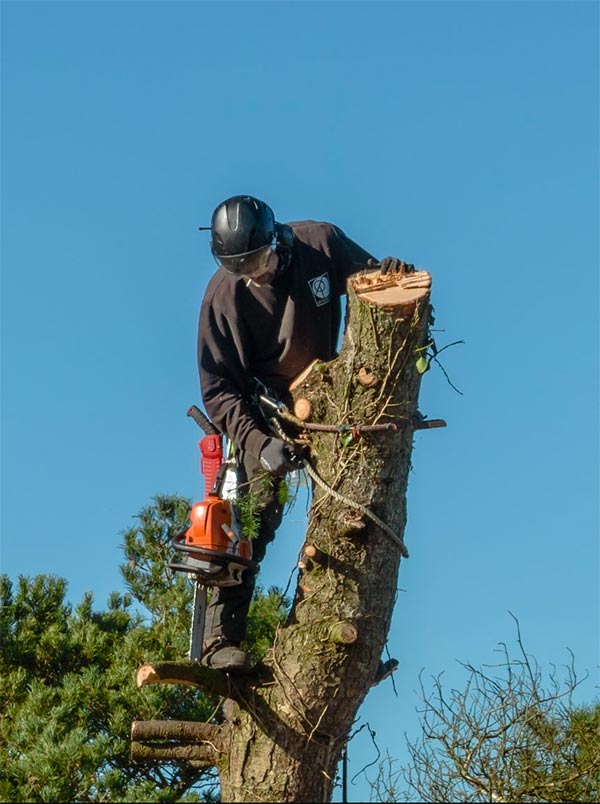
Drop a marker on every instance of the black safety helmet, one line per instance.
(240, 227)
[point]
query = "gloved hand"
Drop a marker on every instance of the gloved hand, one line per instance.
(392, 265)
(279, 457)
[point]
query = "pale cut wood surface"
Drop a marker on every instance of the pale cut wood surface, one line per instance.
(393, 291)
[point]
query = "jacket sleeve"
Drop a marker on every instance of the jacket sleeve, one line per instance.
(350, 258)
(224, 381)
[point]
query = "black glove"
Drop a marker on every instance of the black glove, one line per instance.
(392, 265)
(279, 457)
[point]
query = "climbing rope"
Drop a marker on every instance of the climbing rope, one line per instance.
(357, 506)
(312, 472)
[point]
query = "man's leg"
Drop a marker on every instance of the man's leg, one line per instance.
(227, 612)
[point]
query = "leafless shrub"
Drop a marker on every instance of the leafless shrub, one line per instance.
(509, 736)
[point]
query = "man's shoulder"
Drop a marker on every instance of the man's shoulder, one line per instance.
(220, 286)
(310, 231)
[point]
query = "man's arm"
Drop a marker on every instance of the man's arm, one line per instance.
(352, 258)
(224, 381)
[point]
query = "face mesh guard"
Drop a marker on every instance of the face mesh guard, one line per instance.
(252, 262)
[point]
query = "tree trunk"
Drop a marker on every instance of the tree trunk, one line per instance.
(285, 730)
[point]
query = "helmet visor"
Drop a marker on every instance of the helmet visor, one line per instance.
(253, 263)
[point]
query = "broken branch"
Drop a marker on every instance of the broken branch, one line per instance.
(202, 755)
(191, 673)
(179, 731)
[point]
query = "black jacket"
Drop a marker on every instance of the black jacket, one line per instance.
(274, 331)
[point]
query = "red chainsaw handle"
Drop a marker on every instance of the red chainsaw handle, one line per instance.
(211, 449)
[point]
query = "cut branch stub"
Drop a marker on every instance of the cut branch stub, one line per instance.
(367, 378)
(176, 741)
(182, 672)
(344, 633)
(203, 756)
(312, 552)
(196, 675)
(180, 731)
(302, 409)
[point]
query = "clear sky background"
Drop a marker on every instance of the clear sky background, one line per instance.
(460, 136)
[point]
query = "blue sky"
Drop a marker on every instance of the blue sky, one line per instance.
(460, 136)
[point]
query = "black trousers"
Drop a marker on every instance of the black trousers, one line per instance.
(227, 611)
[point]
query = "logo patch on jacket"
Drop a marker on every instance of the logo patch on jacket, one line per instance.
(320, 289)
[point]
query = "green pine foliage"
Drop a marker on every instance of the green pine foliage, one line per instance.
(67, 688)
(267, 612)
(67, 675)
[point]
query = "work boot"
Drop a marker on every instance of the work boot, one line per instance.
(225, 655)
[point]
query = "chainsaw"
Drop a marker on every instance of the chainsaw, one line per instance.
(212, 550)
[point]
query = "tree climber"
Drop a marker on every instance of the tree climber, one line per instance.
(272, 307)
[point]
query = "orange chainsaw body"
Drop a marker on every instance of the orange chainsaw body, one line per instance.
(210, 528)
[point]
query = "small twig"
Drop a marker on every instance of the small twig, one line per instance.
(370, 764)
(450, 383)
(447, 346)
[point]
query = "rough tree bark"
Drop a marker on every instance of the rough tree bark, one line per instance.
(286, 725)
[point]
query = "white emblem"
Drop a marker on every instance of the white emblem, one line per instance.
(320, 289)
